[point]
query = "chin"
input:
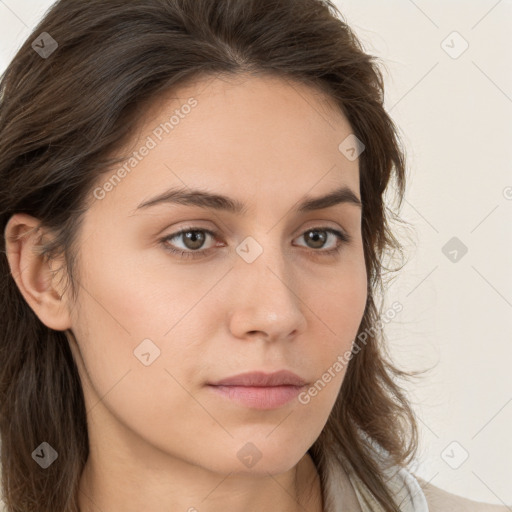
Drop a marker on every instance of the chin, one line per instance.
(262, 458)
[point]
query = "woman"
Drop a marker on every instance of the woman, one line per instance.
(194, 225)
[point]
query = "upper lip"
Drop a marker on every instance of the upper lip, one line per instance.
(262, 379)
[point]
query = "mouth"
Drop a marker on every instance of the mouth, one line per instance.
(259, 390)
(259, 397)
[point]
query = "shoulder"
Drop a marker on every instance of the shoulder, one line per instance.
(440, 500)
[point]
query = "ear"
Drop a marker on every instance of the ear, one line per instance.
(38, 283)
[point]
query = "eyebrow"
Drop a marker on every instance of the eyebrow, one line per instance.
(208, 200)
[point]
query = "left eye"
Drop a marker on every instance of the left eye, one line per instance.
(194, 239)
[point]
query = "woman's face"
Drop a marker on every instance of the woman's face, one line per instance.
(255, 290)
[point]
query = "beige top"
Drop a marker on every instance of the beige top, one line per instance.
(345, 492)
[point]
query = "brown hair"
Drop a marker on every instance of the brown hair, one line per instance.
(62, 117)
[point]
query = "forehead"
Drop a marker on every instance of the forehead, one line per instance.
(247, 137)
(240, 112)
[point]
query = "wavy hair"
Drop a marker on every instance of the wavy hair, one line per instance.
(62, 119)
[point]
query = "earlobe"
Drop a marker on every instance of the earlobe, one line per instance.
(32, 273)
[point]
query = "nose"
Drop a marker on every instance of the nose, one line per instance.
(267, 302)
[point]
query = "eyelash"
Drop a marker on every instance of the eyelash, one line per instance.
(343, 237)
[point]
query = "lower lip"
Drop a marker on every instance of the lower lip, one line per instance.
(270, 397)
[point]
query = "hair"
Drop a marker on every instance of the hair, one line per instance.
(62, 119)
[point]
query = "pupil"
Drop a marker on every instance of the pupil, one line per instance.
(196, 238)
(315, 236)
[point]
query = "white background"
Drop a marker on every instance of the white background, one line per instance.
(455, 117)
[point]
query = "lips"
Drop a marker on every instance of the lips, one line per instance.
(260, 390)
(261, 379)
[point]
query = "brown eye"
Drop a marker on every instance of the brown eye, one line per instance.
(316, 237)
(193, 240)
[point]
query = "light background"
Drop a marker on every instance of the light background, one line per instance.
(455, 118)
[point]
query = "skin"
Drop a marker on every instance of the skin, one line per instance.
(160, 439)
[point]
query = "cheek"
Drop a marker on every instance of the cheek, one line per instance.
(121, 327)
(133, 312)
(339, 308)
(134, 296)
(340, 303)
